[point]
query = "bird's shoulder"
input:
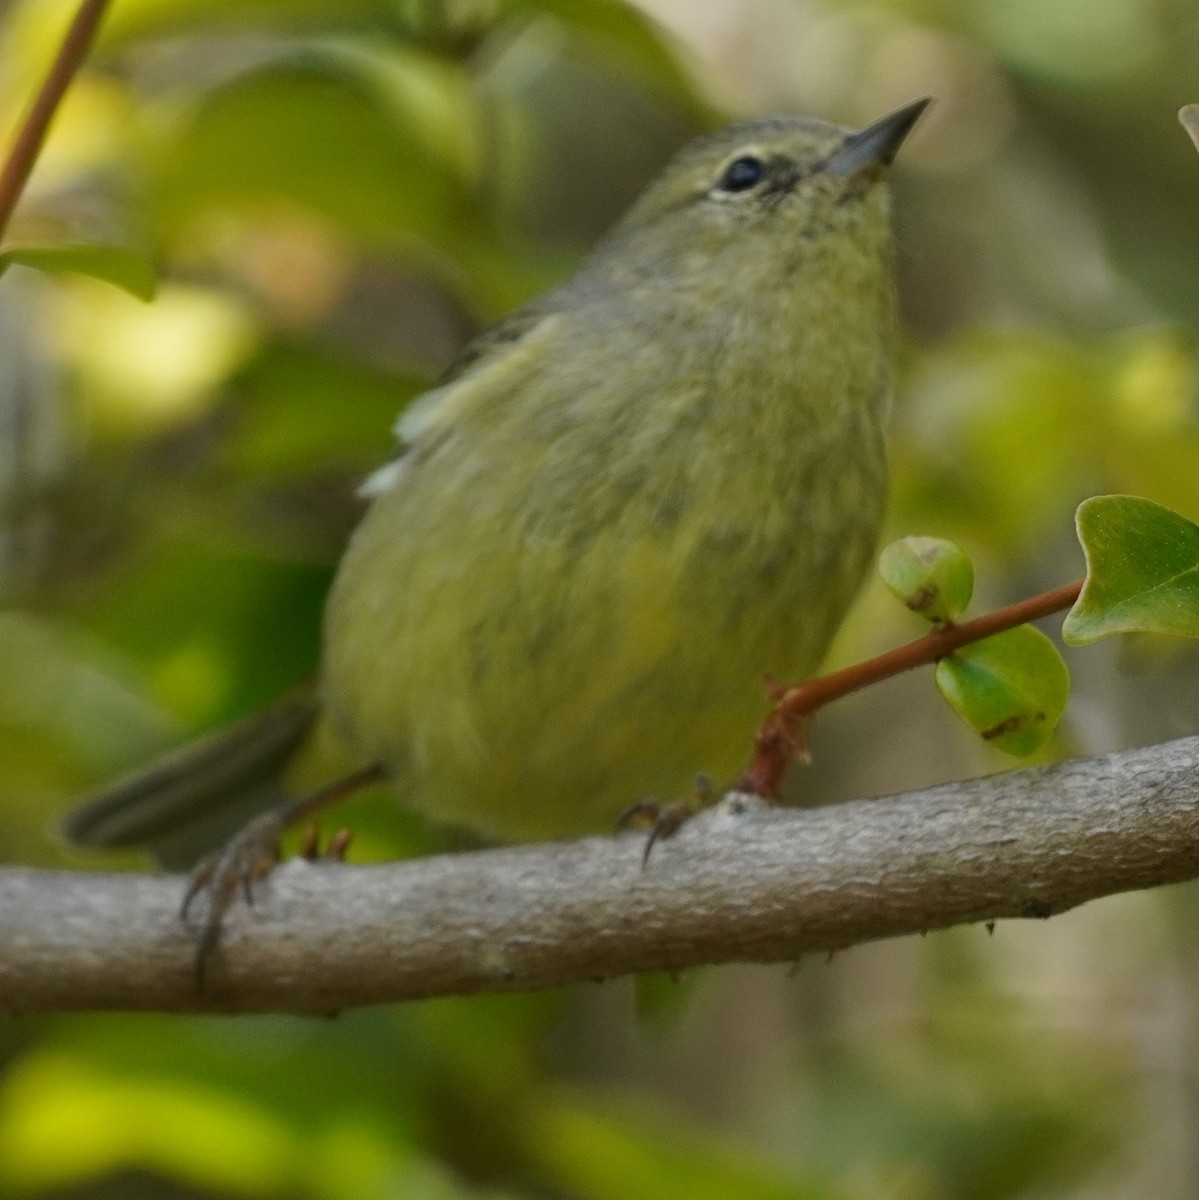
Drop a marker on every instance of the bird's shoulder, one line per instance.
(487, 368)
(492, 345)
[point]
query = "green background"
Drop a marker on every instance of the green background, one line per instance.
(336, 194)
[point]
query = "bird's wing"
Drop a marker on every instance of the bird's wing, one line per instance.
(469, 379)
(491, 343)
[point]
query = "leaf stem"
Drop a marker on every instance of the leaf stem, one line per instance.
(31, 133)
(781, 736)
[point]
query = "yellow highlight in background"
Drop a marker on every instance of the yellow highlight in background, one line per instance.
(146, 367)
(62, 1121)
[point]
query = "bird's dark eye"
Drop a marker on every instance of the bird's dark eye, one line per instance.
(742, 174)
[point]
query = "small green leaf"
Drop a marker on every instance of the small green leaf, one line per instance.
(1142, 571)
(1012, 688)
(127, 269)
(933, 577)
(317, 132)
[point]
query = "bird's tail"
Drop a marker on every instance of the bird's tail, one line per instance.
(195, 798)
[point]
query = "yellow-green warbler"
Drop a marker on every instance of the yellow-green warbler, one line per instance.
(625, 506)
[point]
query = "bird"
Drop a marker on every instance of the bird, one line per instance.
(619, 511)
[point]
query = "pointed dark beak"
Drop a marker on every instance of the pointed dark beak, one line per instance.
(876, 145)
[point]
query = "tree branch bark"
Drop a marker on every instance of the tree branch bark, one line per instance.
(739, 883)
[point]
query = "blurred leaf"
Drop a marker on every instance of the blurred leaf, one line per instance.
(487, 1046)
(58, 684)
(315, 133)
(264, 1107)
(1012, 688)
(1103, 44)
(382, 147)
(430, 96)
(968, 1124)
(601, 1157)
(62, 1121)
(997, 435)
(931, 576)
(627, 38)
(303, 1072)
(661, 998)
(304, 411)
(127, 269)
(146, 367)
(1152, 379)
(132, 19)
(215, 632)
(1014, 1153)
(1142, 571)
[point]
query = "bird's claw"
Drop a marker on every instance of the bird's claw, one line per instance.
(246, 859)
(661, 820)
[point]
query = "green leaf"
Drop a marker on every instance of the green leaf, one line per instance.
(641, 1155)
(1012, 688)
(1142, 571)
(135, 19)
(317, 133)
(127, 269)
(620, 34)
(931, 576)
(302, 411)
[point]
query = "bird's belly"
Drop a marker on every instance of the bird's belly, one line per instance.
(535, 686)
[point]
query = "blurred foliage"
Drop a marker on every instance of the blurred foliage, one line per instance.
(332, 196)
(125, 268)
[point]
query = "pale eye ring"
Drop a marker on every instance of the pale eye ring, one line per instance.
(742, 174)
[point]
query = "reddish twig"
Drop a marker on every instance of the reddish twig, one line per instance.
(27, 144)
(781, 736)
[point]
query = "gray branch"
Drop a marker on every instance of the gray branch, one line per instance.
(739, 883)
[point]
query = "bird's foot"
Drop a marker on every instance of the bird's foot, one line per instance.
(252, 853)
(665, 820)
(245, 860)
